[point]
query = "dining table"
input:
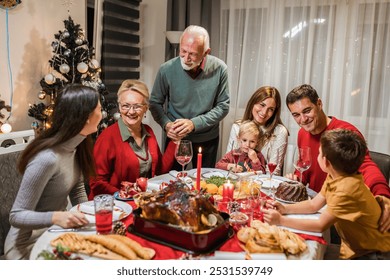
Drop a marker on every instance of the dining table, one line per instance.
(230, 249)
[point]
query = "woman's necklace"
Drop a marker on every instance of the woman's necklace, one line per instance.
(146, 158)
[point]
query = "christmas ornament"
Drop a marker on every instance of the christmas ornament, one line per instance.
(54, 45)
(79, 41)
(48, 111)
(104, 114)
(67, 52)
(42, 95)
(117, 116)
(64, 68)
(65, 34)
(82, 67)
(94, 64)
(34, 125)
(6, 128)
(50, 79)
(9, 4)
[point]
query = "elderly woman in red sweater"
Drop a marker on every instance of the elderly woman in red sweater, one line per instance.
(128, 149)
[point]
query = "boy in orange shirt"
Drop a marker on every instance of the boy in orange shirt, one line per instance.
(351, 207)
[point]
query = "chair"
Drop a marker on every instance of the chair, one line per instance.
(10, 180)
(383, 162)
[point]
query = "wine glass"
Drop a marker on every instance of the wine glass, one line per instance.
(183, 153)
(302, 160)
(236, 155)
(272, 158)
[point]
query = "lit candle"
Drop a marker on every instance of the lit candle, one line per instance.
(227, 191)
(199, 168)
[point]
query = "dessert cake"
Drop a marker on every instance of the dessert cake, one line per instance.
(291, 191)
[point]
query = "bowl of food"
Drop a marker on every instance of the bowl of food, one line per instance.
(238, 218)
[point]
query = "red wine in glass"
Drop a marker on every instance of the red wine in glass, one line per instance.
(183, 153)
(272, 167)
(183, 160)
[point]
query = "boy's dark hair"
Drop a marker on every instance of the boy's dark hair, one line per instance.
(344, 149)
(300, 92)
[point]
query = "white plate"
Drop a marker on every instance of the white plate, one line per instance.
(284, 201)
(276, 180)
(121, 210)
(209, 172)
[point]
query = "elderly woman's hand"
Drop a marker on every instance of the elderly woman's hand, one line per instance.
(384, 221)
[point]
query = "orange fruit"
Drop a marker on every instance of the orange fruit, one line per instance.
(202, 185)
(212, 188)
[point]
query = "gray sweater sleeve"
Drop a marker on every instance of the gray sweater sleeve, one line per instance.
(38, 173)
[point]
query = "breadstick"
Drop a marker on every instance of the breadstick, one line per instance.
(114, 245)
(142, 252)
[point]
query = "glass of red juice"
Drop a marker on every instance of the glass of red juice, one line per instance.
(104, 205)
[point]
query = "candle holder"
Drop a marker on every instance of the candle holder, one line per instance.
(227, 191)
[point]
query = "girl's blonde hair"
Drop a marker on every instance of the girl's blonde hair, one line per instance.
(250, 127)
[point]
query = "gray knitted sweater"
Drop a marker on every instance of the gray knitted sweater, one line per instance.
(50, 177)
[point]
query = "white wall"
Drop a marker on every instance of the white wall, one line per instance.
(32, 26)
(153, 25)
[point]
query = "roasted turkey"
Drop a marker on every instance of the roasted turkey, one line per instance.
(178, 205)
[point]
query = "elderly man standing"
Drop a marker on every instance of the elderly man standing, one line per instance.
(306, 109)
(194, 87)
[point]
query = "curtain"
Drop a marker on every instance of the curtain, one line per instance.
(182, 13)
(340, 47)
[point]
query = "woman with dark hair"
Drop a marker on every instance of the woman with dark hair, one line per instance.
(264, 109)
(54, 166)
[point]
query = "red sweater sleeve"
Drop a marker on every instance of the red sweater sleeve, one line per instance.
(372, 175)
(105, 155)
(224, 161)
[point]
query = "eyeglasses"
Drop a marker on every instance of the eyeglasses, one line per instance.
(127, 107)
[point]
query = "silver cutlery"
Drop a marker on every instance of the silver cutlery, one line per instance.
(72, 229)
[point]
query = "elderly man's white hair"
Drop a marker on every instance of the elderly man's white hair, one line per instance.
(198, 30)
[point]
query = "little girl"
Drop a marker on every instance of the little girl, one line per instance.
(248, 158)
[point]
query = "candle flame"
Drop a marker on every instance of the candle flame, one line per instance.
(228, 181)
(200, 150)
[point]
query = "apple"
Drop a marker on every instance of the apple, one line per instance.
(142, 183)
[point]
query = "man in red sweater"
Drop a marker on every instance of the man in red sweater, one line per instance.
(306, 109)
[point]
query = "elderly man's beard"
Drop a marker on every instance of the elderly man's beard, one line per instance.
(189, 67)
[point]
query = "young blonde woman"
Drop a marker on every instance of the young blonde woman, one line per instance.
(264, 109)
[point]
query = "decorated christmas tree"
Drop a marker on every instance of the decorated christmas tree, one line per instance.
(72, 62)
(4, 127)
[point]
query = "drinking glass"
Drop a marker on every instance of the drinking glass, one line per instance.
(104, 204)
(302, 160)
(236, 156)
(183, 153)
(272, 158)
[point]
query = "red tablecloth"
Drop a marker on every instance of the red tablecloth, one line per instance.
(164, 252)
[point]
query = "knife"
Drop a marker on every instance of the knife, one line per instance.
(72, 229)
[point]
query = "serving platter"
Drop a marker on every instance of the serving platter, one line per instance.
(174, 237)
